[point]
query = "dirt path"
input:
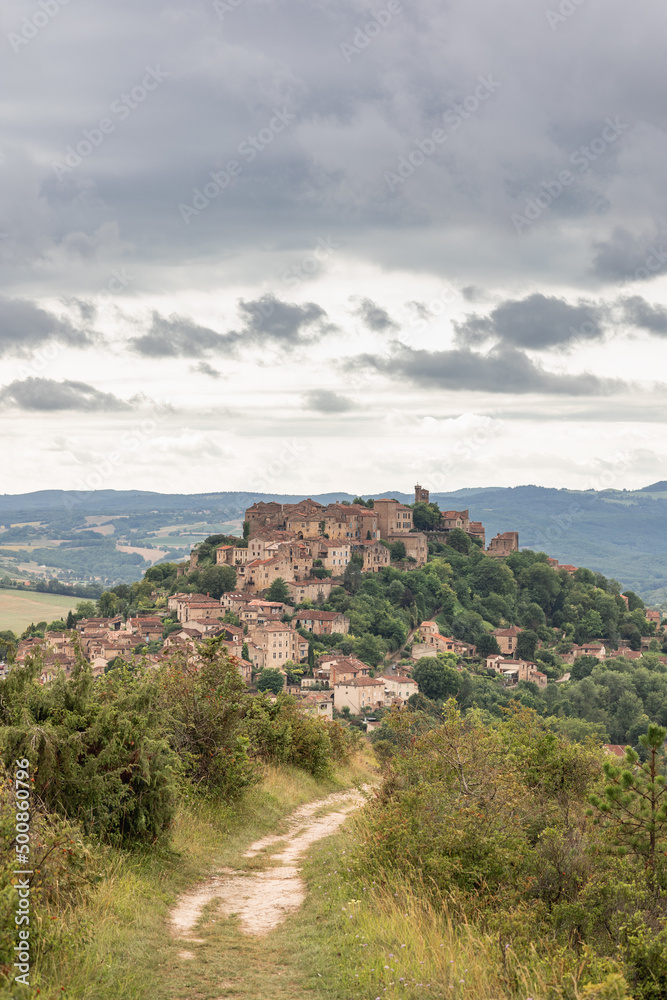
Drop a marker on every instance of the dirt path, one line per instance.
(263, 898)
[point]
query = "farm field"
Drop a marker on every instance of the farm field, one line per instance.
(18, 610)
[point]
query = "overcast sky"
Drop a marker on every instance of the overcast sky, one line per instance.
(302, 246)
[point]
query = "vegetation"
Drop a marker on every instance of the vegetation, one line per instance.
(114, 760)
(271, 679)
(478, 869)
(504, 849)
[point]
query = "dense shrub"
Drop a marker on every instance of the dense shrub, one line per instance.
(97, 751)
(494, 821)
(203, 706)
(280, 733)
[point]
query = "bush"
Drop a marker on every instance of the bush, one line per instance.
(271, 679)
(98, 753)
(280, 733)
(203, 708)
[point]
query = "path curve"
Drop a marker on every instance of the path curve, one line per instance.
(262, 899)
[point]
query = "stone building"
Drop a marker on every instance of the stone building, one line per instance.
(503, 544)
(421, 495)
(322, 622)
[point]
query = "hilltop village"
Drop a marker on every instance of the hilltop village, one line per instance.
(274, 610)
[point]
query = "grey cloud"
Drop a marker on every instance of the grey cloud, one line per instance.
(626, 256)
(327, 401)
(47, 395)
(504, 369)
(537, 322)
(286, 323)
(353, 121)
(203, 368)
(642, 314)
(375, 317)
(179, 337)
(420, 308)
(25, 327)
(266, 320)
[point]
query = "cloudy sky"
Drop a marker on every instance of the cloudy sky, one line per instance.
(302, 245)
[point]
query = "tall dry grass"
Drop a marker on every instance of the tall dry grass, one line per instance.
(390, 941)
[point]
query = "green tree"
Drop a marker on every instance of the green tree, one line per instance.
(217, 580)
(492, 576)
(8, 641)
(634, 802)
(107, 604)
(436, 680)
(56, 626)
(459, 541)
(294, 671)
(246, 529)
(398, 551)
(270, 679)
(278, 591)
(71, 621)
(590, 626)
(526, 644)
(370, 649)
(487, 644)
(533, 617)
(582, 667)
(85, 609)
(352, 576)
(634, 602)
(245, 652)
(204, 706)
(425, 516)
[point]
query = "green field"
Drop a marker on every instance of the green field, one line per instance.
(18, 610)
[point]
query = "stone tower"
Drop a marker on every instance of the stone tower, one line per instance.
(421, 495)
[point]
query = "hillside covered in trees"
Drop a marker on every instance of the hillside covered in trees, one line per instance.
(500, 823)
(469, 595)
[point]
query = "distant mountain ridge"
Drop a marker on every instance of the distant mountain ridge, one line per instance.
(616, 532)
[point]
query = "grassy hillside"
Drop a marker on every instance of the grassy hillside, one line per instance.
(18, 610)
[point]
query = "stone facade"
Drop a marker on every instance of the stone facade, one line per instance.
(359, 695)
(272, 645)
(393, 518)
(504, 544)
(322, 622)
(421, 495)
(309, 590)
(507, 638)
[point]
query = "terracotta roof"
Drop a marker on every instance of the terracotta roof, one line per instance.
(361, 682)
